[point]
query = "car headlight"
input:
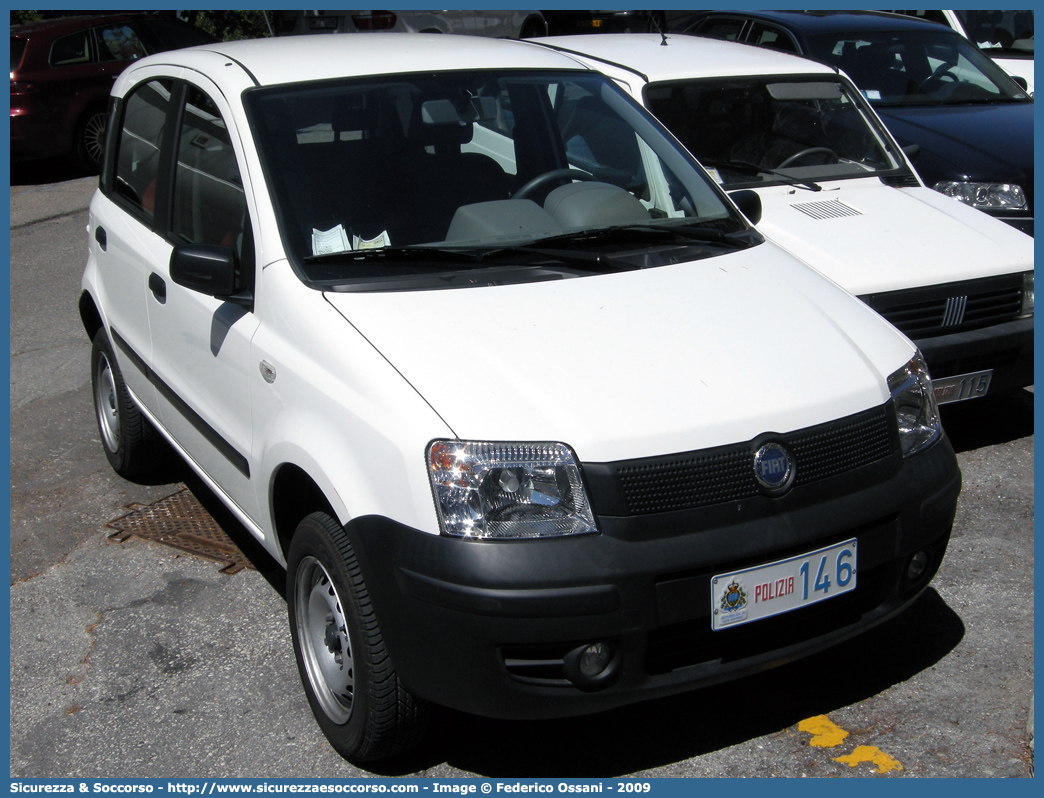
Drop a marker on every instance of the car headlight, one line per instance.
(915, 407)
(985, 196)
(508, 490)
(1027, 295)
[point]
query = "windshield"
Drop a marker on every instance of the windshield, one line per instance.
(916, 68)
(468, 161)
(811, 129)
(1000, 32)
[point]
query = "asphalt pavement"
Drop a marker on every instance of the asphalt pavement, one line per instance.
(135, 659)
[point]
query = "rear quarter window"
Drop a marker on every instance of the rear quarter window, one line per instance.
(72, 50)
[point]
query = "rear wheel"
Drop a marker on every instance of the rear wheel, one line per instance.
(132, 445)
(351, 684)
(89, 141)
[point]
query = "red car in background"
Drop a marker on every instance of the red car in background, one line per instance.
(61, 74)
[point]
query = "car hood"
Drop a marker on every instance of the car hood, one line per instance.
(977, 142)
(869, 237)
(639, 363)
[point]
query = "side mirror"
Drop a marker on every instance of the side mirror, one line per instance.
(911, 151)
(209, 269)
(1020, 81)
(749, 203)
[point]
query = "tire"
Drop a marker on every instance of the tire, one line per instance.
(132, 445)
(351, 684)
(89, 141)
(533, 28)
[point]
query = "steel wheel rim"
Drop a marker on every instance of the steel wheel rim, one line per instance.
(322, 630)
(107, 404)
(94, 137)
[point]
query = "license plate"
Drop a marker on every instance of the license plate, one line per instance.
(962, 387)
(766, 590)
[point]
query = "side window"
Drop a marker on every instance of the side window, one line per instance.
(71, 50)
(771, 37)
(119, 42)
(209, 203)
(717, 28)
(137, 151)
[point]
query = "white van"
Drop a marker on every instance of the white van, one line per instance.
(838, 192)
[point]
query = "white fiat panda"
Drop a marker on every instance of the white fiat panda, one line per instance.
(834, 189)
(538, 426)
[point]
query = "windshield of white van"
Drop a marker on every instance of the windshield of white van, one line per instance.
(750, 131)
(368, 175)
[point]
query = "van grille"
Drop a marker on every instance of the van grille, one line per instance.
(955, 307)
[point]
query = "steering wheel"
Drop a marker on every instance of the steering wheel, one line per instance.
(553, 176)
(940, 75)
(797, 156)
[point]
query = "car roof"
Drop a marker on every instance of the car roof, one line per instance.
(293, 59)
(683, 57)
(813, 22)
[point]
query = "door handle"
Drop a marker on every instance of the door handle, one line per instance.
(100, 237)
(158, 287)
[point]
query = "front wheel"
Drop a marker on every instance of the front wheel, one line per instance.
(351, 685)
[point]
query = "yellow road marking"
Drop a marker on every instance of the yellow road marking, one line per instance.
(825, 733)
(873, 755)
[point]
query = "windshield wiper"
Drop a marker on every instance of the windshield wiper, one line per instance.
(538, 252)
(624, 233)
(472, 257)
(436, 256)
(753, 169)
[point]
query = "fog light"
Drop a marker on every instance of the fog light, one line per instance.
(917, 566)
(594, 659)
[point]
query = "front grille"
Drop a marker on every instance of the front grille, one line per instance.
(951, 308)
(726, 473)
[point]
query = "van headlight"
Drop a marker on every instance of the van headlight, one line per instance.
(508, 490)
(915, 407)
(1027, 295)
(985, 196)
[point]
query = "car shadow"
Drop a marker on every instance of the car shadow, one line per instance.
(43, 171)
(174, 471)
(993, 420)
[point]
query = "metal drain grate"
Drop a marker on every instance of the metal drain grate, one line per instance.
(180, 521)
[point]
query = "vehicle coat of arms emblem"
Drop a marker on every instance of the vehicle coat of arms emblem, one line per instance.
(734, 597)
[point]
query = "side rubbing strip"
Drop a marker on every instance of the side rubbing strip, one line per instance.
(226, 449)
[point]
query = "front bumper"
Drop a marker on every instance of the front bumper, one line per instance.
(1005, 348)
(490, 627)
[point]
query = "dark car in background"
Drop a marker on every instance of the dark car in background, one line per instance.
(62, 71)
(563, 22)
(497, 23)
(971, 124)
